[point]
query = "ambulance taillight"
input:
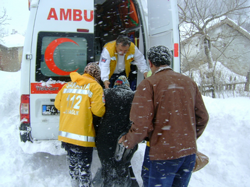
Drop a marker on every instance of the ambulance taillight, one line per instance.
(25, 109)
(82, 30)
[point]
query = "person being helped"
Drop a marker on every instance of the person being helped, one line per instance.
(77, 101)
(115, 122)
(116, 59)
(168, 110)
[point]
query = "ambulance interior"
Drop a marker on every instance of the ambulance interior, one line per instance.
(114, 18)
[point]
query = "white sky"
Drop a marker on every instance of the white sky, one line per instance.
(18, 12)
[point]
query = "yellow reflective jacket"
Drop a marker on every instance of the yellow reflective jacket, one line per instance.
(77, 101)
(129, 57)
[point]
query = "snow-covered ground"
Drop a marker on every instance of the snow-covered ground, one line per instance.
(223, 76)
(225, 141)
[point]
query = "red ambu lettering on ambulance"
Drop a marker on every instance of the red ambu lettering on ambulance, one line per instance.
(77, 15)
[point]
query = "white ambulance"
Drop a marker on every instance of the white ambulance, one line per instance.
(64, 35)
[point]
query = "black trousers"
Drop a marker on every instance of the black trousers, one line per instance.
(79, 159)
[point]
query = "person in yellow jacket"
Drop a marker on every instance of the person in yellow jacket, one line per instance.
(78, 101)
(116, 59)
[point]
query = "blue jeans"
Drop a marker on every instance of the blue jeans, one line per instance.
(145, 167)
(167, 173)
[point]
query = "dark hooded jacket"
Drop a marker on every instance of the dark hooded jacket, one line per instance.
(115, 122)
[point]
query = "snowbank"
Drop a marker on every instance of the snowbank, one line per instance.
(223, 77)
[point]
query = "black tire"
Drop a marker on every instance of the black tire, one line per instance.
(26, 136)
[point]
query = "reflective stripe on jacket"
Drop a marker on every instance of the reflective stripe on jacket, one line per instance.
(129, 57)
(78, 101)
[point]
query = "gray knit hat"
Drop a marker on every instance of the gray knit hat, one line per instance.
(160, 55)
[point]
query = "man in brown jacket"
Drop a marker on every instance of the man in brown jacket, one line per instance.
(168, 110)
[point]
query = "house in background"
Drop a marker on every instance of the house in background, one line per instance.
(11, 50)
(230, 45)
(230, 49)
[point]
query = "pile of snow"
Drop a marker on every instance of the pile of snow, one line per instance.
(223, 76)
(222, 73)
(225, 141)
(51, 81)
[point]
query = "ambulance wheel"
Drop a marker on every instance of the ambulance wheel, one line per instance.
(25, 136)
(25, 132)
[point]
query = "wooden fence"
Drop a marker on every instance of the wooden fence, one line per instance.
(207, 89)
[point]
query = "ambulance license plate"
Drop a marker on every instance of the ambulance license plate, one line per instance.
(50, 110)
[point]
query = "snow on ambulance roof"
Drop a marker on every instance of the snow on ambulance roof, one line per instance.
(13, 40)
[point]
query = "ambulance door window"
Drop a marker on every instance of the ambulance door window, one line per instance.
(60, 55)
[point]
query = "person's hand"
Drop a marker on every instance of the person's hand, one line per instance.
(122, 139)
(106, 84)
(145, 74)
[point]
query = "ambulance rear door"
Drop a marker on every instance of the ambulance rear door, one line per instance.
(62, 42)
(163, 27)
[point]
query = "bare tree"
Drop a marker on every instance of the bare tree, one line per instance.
(3, 20)
(198, 16)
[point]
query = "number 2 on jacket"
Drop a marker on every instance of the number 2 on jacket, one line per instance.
(72, 99)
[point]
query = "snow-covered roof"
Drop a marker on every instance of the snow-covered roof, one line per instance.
(13, 40)
(217, 23)
(232, 24)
